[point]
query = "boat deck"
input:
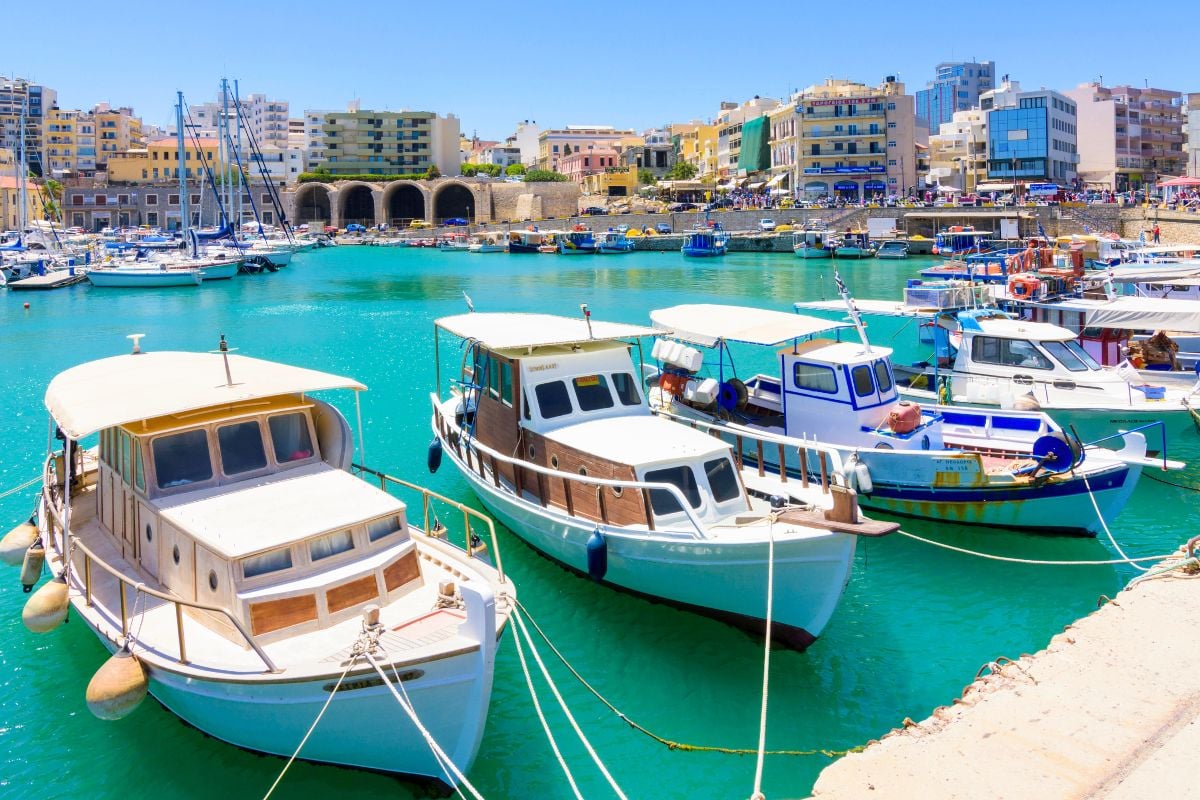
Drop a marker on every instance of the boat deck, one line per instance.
(417, 629)
(51, 280)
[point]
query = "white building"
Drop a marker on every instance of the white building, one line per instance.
(1192, 134)
(1032, 136)
(958, 151)
(526, 140)
(266, 119)
(730, 120)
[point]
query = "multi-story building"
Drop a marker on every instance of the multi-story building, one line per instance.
(266, 119)
(588, 161)
(69, 143)
(1128, 136)
(525, 137)
(10, 202)
(955, 87)
(358, 142)
(854, 141)
(1031, 136)
(117, 130)
(958, 151)
(554, 144)
(503, 154)
(731, 122)
(155, 205)
(1192, 135)
(17, 95)
(654, 150)
(158, 161)
(697, 146)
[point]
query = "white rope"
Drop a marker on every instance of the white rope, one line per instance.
(433, 745)
(311, 728)
(24, 485)
(567, 711)
(1104, 525)
(1030, 560)
(537, 706)
(762, 720)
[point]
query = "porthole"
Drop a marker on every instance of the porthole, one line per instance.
(554, 461)
(531, 451)
(175, 554)
(616, 490)
(149, 533)
(212, 579)
(583, 470)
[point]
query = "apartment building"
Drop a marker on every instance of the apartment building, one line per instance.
(554, 144)
(956, 86)
(17, 95)
(958, 151)
(696, 143)
(1192, 135)
(266, 119)
(732, 121)
(364, 142)
(117, 130)
(69, 143)
(159, 161)
(1128, 136)
(1032, 136)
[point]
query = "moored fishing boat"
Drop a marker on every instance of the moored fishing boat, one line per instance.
(812, 243)
(613, 243)
(552, 432)
(487, 242)
(576, 242)
(892, 249)
(526, 241)
(705, 244)
(217, 542)
(854, 244)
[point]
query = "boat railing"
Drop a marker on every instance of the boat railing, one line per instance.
(124, 583)
(494, 458)
(825, 460)
(429, 514)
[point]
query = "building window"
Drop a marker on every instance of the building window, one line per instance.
(891, 143)
(891, 106)
(172, 199)
(152, 218)
(151, 199)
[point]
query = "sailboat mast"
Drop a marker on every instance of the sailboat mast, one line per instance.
(185, 216)
(237, 107)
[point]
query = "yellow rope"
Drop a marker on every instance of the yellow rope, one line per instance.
(670, 744)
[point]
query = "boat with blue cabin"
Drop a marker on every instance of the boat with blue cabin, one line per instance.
(705, 244)
(892, 249)
(813, 243)
(613, 243)
(576, 242)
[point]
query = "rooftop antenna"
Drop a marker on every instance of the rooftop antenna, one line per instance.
(587, 317)
(224, 349)
(137, 342)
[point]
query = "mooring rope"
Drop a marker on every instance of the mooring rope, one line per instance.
(1104, 525)
(670, 744)
(16, 489)
(757, 794)
(1033, 561)
(311, 728)
(1171, 483)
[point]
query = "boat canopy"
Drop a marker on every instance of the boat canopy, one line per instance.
(130, 388)
(500, 331)
(706, 324)
(1133, 313)
(1017, 329)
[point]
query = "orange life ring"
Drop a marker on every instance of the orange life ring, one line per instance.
(1023, 287)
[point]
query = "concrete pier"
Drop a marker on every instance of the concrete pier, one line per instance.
(1110, 709)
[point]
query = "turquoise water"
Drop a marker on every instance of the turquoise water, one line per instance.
(914, 626)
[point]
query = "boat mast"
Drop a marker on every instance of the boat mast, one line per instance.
(185, 217)
(855, 317)
(237, 155)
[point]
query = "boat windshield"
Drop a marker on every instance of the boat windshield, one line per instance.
(681, 476)
(1008, 353)
(1071, 356)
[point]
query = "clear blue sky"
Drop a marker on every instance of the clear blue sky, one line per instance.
(493, 64)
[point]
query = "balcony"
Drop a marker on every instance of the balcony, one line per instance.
(827, 133)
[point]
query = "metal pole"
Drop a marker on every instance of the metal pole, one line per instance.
(185, 218)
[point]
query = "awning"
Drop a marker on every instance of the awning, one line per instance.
(948, 189)
(994, 187)
(757, 185)
(1183, 180)
(1135, 313)
(777, 179)
(705, 324)
(816, 186)
(131, 388)
(501, 331)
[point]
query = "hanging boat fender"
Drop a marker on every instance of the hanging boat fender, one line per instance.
(118, 687)
(597, 555)
(16, 542)
(857, 476)
(31, 567)
(434, 458)
(47, 607)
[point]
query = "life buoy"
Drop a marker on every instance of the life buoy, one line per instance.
(673, 383)
(1023, 287)
(1046, 257)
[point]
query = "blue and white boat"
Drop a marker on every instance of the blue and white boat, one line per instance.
(892, 249)
(613, 243)
(813, 243)
(1012, 469)
(855, 244)
(576, 243)
(144, 276)
(705, 244)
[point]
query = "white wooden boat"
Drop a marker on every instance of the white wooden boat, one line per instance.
(813, 243)
(144, 277)
(553, 434)
(219, 536)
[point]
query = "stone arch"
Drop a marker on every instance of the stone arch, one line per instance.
(404, 201)
(454, 199)
(356, 203)
(311, 204)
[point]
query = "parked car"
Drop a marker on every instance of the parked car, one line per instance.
(456, 221)
(683, 207)
(590, 210)
(662, 227)
(766, 224)
(419, 223)
(354, 227)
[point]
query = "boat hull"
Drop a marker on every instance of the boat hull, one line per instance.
(143, 279)
(703, 252)
(220, 272)
(813, 252)
(517, 247)
(724, 580)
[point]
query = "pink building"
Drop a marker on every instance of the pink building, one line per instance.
(589, 161)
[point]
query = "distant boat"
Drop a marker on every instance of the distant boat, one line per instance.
(893, 250)
(855, 244)
(705, 244)
(613, 242)
(812, 243)
(487, 243)
(576, 243)
(143, 277)
(526, 241)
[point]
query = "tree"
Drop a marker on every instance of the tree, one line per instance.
(470, 170)
(646, 177)
(681, 171)
(432, 172)
(514, 169)
(566, 149)
(542, 175)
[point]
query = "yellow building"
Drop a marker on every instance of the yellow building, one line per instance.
(10, 202)
(611, 182)
(159, 161)
(117, 130)
(698, 146)
(69, 142)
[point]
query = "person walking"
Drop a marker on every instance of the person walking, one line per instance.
(1156, 233)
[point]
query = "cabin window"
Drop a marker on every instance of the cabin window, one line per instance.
(139, 472)
(721, 479)
(331, 544)
(525, 412)
(126, 472)
(1065, 356)
(241, 448)
(270, 561)
(814, 377)
(883, 377)
(861, 377)
(1008, 353)
(182, 458)
(626, 387)
(553, 400)
(289, 435)
(662, 501)
(591, 392)
(380, 528)
(506, 383)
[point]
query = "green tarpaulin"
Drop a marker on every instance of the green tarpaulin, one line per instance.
(756, 149)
